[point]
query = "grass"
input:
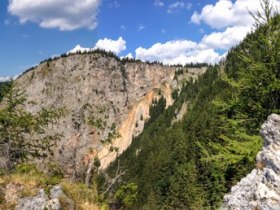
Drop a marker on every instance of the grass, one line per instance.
(32, 180)
(83, 196)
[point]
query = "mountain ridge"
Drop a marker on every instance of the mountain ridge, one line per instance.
(99, 93)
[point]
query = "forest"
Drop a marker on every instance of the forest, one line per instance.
(191, 164)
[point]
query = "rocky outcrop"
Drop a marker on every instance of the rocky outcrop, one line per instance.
(56, 201)
(261, 188)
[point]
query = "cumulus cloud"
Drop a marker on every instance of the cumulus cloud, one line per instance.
(115, 46)
(226, 39)
(226, 13)
(232, 22)
(165, 51)
(65, 15)
(186, 51)
(177, 52)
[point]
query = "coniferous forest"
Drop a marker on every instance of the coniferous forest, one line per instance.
(191, 164)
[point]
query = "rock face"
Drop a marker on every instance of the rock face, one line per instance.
(261, 188)
(97, 93)
(101, 97)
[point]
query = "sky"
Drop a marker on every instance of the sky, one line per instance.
(169, 31)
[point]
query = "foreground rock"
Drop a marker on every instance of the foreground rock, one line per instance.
(56, 201)
(261, 188)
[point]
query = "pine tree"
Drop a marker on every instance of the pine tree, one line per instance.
(18, 128)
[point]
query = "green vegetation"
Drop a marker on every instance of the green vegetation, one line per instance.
(191, 164)
(31, 179)
(17, 129)
(4, 88)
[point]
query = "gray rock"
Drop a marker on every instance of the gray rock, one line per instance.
(57, 193)
(261, 188)
(39, 202)
(57, 200)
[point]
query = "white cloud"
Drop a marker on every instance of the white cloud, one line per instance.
(177, 52)
(186, 51)
(226, 39)
(79, 48)
(4, 79)
(65, 15)
(115, 46)
(226, 13)
(158, 3)
(165, 51)
(178, 5)
(129, 55)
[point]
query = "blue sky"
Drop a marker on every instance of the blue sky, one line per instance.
(170, 31)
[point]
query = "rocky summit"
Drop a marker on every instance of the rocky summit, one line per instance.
(261, 188)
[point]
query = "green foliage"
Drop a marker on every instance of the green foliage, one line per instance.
(126, 195)
(96, 162)
(26, 168)
(157, 108)
(4, 88)
(44, 180)
(191, 164)
(17, 129)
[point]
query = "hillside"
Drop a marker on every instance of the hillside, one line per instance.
(105, 102)
(191, 164)
(89, 128)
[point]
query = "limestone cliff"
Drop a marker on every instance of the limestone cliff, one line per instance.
(261, 188)
(101, 96)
